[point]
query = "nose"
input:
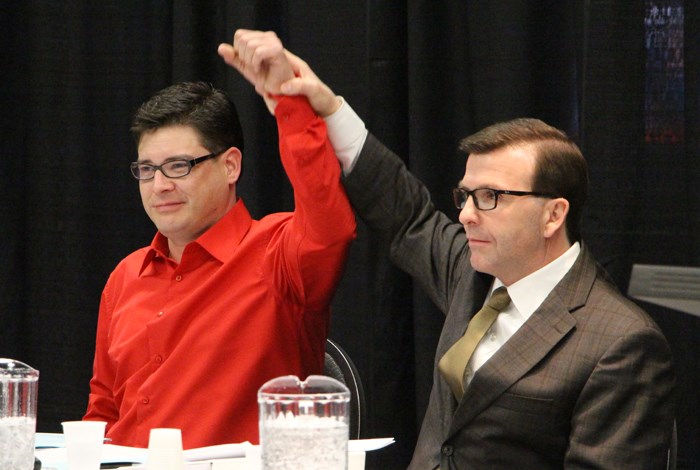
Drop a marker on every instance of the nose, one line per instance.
(161, 182)
(469, 213)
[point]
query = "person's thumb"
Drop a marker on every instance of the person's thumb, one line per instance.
(294, 86)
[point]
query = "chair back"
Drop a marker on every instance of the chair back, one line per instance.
(339, 366)
(673, 449)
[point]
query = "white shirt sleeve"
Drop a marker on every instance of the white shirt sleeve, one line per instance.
(347, 134)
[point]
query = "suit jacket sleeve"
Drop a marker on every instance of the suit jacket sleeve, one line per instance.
(624, 414)
(424, 242)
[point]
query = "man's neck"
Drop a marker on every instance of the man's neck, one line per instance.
(175, 251)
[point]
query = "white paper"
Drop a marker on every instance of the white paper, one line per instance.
(367, 445)
(52, 453)
(113, 453)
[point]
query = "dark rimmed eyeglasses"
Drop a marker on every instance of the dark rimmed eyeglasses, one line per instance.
(486, 199)
(175, 168)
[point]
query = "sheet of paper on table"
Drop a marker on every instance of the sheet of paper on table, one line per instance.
(52, 453)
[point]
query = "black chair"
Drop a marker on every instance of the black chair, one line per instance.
(673, 449)
(339, 366)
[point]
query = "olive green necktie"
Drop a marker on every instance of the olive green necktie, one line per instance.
(453, 364)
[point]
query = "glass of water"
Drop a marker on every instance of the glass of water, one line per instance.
(304, 424)
(18, 398)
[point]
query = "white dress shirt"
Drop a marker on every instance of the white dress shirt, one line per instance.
(347, 134)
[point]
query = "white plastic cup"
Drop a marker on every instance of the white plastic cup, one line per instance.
(253, 457)
(165, 449)
(356, 460)
(84, 440)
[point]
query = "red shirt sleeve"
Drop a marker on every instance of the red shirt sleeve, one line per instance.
(316, 241)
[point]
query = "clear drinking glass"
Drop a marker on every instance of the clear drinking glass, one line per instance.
(18, 397)
(304, 424)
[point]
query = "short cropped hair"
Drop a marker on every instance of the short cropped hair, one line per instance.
(196, 104)
(561, 168)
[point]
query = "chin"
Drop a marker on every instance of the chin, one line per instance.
(481, 266)
(476, 263)
(169, 230)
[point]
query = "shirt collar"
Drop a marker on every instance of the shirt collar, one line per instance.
(221, 240)
(528, 293)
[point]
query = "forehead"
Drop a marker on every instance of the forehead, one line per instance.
(511, 167)
(170, 141)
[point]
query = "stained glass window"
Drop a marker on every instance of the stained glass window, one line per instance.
(664, 94)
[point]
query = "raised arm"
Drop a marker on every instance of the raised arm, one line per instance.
(310, 252)
(400, 204)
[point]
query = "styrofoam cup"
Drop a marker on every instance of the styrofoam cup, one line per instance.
(165, 449)
(84, 440)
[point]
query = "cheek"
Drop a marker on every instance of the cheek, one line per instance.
(518, 233)
(528, 234)
(207, 199)
(145, 193)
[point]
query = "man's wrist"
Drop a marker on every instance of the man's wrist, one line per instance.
(334, 105)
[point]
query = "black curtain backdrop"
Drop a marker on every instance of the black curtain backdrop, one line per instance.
(422, 75)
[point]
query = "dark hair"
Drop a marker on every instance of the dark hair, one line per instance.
(196, 104)
(560, 168)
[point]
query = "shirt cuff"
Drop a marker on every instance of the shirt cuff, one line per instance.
(347, 134)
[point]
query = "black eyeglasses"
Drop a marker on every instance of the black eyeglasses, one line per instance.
(486, 199)
(175, 168)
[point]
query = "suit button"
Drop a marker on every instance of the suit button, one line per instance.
(447, 450)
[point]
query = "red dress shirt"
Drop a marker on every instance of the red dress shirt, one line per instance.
(188, 345)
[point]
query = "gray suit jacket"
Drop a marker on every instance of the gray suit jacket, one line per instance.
(586, 382)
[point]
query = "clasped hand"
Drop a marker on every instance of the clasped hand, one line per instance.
(262, 59)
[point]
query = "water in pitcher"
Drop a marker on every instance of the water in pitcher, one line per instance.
(292, 444)
(17, 443)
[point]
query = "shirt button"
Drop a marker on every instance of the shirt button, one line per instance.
(145, 400)
(158, 359)
(160, 314)
(178, 277)
(447, 450)
(492, 337)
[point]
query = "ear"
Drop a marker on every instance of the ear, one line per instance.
(232, 160)
(554, 216)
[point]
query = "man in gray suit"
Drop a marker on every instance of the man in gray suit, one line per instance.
(566, 373)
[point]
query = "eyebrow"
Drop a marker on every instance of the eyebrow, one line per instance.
(494, 187)
(169, 159)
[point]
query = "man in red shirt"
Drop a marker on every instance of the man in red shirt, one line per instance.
(191, 326)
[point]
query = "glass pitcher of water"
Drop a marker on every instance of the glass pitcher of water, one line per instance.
(18, 398)
(304, 424)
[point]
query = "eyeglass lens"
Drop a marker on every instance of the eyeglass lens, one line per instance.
(484, 198)
(171, 169)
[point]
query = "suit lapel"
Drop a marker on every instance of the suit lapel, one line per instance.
(528, 346)
(547, 326)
